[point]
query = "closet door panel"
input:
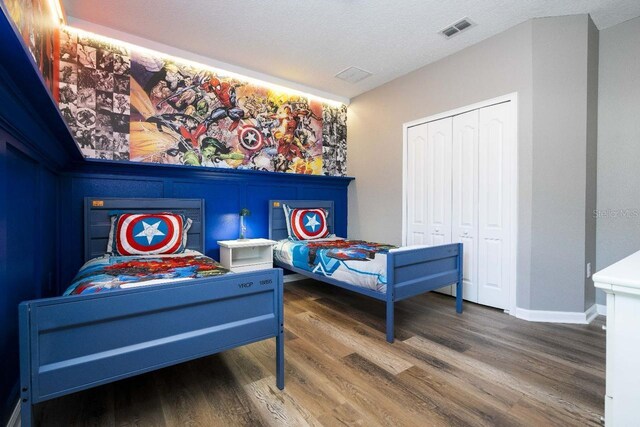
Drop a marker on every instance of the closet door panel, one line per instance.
(464, 215)
(417, 185)
(497, 137)
(439, 135)
(438, 167)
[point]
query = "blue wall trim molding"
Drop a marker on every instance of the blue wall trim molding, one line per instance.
(44, 179)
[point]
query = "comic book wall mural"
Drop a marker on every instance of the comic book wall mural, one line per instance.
(134, 105)
(36, 25)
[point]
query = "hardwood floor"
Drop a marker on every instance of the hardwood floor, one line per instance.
(479, 368)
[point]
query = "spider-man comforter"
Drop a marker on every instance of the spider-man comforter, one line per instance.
(356, 262)
(121, 272)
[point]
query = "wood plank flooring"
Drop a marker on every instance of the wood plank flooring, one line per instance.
(479, 368)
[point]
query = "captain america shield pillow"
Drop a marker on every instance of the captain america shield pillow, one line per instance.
(148, 234)
(307, 223)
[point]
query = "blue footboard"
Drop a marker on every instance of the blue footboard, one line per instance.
(412, 272)
(73, 343)
(415, 271)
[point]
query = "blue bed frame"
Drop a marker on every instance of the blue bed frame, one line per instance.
(72, 343)
(410, 272)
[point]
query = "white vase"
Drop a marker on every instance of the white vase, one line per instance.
(243, 229)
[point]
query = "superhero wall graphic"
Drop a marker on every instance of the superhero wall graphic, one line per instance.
(34, 22)
(128, 105)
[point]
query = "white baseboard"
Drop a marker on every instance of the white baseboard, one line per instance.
(591, 313)
(602, 309)
(294, 277)
(14, 421)
(558, 316)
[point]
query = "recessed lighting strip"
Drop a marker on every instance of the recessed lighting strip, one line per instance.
(195, 64)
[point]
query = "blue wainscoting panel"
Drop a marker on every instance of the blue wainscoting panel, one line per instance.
(22, 231)
(340, 204)
(258, 204)
(222, 204)
(74, 189)
(47, 241)
(28, 253)
(225, 192)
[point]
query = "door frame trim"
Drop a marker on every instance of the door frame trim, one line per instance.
(513, 177)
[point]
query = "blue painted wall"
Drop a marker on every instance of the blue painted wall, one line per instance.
(43, 180)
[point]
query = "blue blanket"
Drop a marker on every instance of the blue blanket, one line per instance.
(355, 262)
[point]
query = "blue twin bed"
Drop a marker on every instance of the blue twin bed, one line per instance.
(76, 342)
(382, 272)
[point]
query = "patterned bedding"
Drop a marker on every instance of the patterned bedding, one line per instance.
(107, 272)
(356, 262)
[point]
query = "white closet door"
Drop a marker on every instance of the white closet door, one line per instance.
(497, 137)
(464, 215)
(438, 168)
(417, 185)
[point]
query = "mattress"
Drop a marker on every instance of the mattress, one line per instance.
(107, 272)
(359, 263)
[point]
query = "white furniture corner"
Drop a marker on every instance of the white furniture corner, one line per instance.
(621, 282)
(246, 254)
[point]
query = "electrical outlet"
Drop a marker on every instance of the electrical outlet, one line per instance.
(588, 270)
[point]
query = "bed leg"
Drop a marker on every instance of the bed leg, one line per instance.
(26, 394)
(280, 361)
(459, 297)
(390, 326)
(26, 413)
(459, 287)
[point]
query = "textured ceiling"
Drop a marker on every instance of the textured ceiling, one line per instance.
(309, 41)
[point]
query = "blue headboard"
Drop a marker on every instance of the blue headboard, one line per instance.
(278, 223)
(97, 222)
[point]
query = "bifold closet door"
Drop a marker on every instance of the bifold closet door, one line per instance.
(438, 173)
(429, 183)
(464, 213)
(438, 166)
(458, 190)
(417, 185)
(496, 139)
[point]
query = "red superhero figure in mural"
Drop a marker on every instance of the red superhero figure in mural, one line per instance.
(226, 95)
(289, 145)
(185, 125)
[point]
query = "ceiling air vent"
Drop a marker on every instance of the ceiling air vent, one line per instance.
(457, 28)
(353, 74)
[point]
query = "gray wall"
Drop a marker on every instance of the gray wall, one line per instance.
(546, 62)
(618, 233)
(592, 160)
(560, 95)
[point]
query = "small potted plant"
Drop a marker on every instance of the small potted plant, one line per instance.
(243, 228)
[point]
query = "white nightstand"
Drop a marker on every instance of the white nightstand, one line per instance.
(246, 254)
